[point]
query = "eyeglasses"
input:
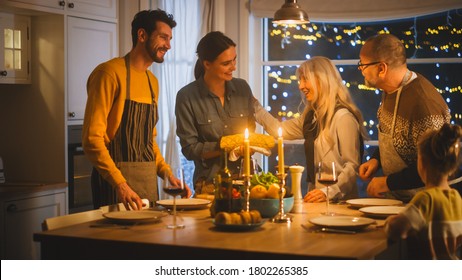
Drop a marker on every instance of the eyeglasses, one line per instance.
(362, 66)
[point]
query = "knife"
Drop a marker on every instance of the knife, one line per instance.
(333, 230)
(329, 230)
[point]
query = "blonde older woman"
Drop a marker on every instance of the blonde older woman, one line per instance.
(331, 125)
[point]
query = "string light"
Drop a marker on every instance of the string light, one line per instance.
(440, 40)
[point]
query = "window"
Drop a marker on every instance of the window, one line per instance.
(433, 49)
(14, 49)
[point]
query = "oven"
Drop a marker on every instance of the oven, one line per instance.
(79, 172)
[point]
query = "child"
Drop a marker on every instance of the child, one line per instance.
(435, 213)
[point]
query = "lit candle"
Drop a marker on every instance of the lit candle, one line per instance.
(280, 151)
(246, 153)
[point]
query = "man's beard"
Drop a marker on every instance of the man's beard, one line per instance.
(153, 54)
(370, 83)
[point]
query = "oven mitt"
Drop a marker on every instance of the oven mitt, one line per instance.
(231, 142)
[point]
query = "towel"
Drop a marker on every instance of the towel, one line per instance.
(235, 153)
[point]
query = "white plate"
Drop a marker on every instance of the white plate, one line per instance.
(381, 211)
(185, 203)
(342, 222)
(364, 202)
(134, 216)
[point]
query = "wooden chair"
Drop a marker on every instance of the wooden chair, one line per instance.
(71, 219)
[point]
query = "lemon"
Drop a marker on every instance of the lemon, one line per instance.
(258, 191)
(273, 191)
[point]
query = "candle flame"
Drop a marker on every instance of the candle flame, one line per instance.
(246, 133)
(280, 131)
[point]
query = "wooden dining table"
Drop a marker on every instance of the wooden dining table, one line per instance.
(201, 239)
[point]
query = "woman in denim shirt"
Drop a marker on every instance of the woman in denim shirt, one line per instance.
(212, 106)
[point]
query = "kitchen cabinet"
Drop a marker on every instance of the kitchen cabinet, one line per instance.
(102, 8)
(24, 208)
(36, 4)
(14, 49)
(89, 43)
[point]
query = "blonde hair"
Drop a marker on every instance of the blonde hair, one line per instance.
(329, 93)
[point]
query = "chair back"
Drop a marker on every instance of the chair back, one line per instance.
(72, 219)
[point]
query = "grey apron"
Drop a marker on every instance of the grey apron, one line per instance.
(390, 160)
(132, 151)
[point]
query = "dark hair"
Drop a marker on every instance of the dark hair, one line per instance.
(440, 150)
(387, 48)
(147, 20)
(209, 48)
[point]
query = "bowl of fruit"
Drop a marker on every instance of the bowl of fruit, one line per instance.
(264, 195)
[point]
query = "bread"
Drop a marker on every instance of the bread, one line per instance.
(241, 218)
(255, 215)
(223, 218)
(236, 219)
(246, 218)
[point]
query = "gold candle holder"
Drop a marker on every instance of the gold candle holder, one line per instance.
(247, 192)
(281, 217)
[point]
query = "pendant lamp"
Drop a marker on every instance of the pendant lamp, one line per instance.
(290, 13)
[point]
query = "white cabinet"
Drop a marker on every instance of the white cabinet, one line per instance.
(14, 49)
(22, 216)
(89, 43)
(36, 4)
(102, 8)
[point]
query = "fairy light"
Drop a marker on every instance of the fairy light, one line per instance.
(436, 39)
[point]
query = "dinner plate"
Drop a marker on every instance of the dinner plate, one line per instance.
(381, 211)
(364, 202)
(185, 203)
(342, 222)
(143, 216)
(239, 227)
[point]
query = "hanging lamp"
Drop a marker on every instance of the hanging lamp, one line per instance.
(290, 13)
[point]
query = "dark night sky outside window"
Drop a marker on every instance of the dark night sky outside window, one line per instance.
(434, 49)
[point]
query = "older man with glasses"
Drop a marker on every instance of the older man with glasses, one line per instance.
(410, 106)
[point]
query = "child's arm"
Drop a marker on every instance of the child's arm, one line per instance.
(397, 226)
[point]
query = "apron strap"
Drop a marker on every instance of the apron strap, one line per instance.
(127, 66)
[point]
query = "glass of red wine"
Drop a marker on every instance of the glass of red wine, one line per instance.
(327, 176)
(175, 190)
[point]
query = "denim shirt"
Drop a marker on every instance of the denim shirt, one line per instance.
(202, 121)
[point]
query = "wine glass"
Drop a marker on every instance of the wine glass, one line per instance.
(174, 191)
(327, 176)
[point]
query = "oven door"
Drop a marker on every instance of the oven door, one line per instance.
(79, 174)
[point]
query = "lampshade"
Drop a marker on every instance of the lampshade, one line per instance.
(290, 13)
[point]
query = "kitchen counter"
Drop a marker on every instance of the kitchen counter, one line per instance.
(14, 189)
(25, 205)
(200, 239)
